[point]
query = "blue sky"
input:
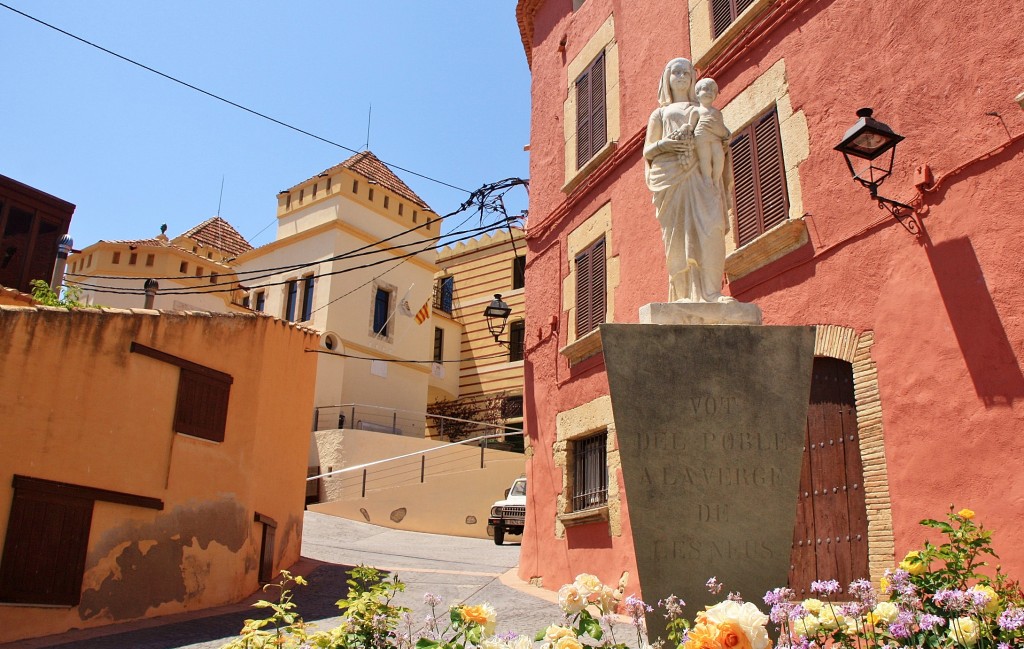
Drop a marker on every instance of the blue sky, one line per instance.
(448, 81)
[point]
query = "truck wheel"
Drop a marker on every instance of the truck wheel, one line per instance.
(499, 535)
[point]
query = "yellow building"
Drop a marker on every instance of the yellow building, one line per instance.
(152, 463)
(472, 272)
(198, 263)
(354, 258)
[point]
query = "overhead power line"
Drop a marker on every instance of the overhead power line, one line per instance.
(219, 98)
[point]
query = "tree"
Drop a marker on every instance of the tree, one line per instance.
(459, 419)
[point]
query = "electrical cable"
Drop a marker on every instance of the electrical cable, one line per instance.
(219, 98)
(398, 360)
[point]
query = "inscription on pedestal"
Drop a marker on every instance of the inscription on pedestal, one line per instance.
(710, 421)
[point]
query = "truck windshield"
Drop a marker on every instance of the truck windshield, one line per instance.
(518, 488)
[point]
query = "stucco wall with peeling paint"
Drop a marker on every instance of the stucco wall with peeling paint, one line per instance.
(79, 408)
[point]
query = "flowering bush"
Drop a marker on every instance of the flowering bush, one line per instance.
(936, 597)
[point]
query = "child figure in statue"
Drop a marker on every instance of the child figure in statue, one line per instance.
(709, 131)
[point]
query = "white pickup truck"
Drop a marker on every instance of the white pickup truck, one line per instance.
(509, 515)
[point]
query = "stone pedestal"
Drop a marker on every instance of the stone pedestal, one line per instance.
(695, 313)
(710, 423)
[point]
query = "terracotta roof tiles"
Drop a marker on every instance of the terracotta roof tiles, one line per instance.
(370, 167)
(219, 234)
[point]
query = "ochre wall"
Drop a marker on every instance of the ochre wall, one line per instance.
(79, 408)
(454, 498)
(943, 310)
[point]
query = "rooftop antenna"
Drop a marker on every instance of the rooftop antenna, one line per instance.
(369, 114)
(221, 197)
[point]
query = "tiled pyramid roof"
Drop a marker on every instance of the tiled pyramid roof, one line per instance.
(219, 234)
(370, 167)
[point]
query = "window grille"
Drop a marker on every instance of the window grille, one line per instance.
(590, 475)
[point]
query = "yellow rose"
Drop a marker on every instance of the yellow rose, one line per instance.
(587, 584)
(703, 636)
(913, 563)
(966, 513)
(830, 619)
(806, 626)
(993, 599)
(812, 605)
(886, 612)
(964, 630)
(554, 632)
(568, 642)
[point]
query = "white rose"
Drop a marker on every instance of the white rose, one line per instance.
(492, 619)
(886, 612)
(521, 642)
(749, 618)
(570, 599)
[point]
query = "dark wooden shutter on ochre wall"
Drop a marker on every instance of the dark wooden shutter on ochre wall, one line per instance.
(591, 120)
(202, 406)
(724, 13)
(830, 536)
(44, 552)
(760, 178)
(590, 288)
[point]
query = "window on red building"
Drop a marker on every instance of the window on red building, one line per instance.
(590, 288)
(591, 121)
(760, 178)
(724, 13)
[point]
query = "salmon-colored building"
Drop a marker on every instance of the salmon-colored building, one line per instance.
(919, 336)
(152, 462)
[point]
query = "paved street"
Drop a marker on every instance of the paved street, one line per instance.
(457, 569)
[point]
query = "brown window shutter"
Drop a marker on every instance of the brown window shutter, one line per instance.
(598, 108)
(583, 113)
(721, 16)
(202, 406)
(745, 191)
(583, 293)
(598, 285)
(760, 179)
(771, 178)
(45, 547)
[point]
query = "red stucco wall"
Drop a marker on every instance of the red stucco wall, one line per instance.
(945, 309)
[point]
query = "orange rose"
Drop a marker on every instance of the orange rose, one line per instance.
(704, 636)
(732, 637)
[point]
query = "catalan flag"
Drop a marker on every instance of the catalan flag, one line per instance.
(423, 313)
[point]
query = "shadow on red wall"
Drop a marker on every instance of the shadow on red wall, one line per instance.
(986, 349)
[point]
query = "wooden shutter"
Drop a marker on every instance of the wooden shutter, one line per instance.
(760, 180)
(745, 190)
(771, 177)
(202, 406)
(45, 547)
(721, 16)
(583, 294)
(598, 109)
(583, 119)
(830, 536)
(591, 285)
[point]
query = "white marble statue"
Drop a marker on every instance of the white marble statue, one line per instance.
(688, 169)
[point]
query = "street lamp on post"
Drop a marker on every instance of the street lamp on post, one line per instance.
(497, 313)
(870, 140)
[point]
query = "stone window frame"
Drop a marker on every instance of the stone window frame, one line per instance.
(604, 41)
(768, 90)
(575, 424)
(844, 343)
(704, 46)
(598, 225)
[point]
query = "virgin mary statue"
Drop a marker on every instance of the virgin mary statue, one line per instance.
(691, 209)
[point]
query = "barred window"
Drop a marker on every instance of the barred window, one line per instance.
(590, 472)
